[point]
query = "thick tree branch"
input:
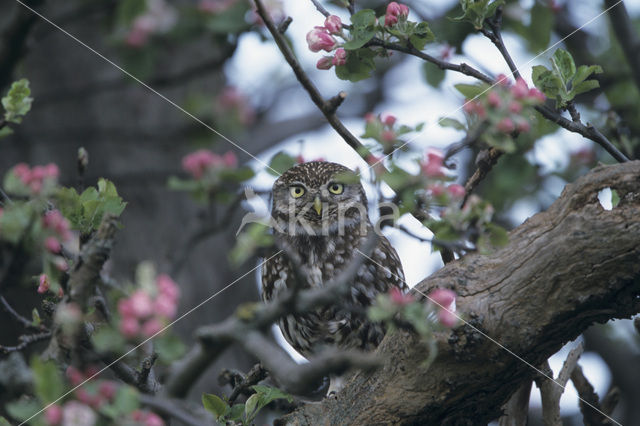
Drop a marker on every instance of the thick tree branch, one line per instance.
(564, 269)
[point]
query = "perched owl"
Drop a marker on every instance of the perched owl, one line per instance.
(320, 212)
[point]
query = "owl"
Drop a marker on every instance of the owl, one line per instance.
(320, 213)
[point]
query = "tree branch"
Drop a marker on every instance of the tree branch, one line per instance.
(576, 259)
(622, 27)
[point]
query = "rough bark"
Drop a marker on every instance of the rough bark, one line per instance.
(563, 269)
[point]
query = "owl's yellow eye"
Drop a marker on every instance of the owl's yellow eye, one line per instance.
(296, 191)
(336, 188)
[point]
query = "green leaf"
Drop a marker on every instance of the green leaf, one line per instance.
(470, 91)
(539, 31)
(563, 64)
(4, 422)
(236, 412)
(281, 162)
(358, 67)
(615, 198)
(169, 347)
(23, 409)
(251, 407)
(48, 382)
(126, 400)
(584, 71)
(363, 18)
(498, 236)
(17, 102)
(451, 122)
(215, 405)
(585, 86)
(433, 74)
(359, 37)
(35, 318)
(422, 35)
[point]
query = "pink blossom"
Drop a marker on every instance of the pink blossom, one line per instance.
(506, 125)
(375, 162)
(389, 120)
(456, 191)
(153, 419)
(197, 162)
(523, 126)
(52, 244)
(151, 327)
(433, 166)
(340, 57)
(319, 39)
(436, 189)
(107, 389)
(503, 80)
(125, 308)
(325, 63)
(388, 136)
(141, 304)
(536, 95)
(74, 375)
(129, 327)
(469, 106)
(168, 287)
(51, 170)
(443, 297)
(390, 20)
(78, 414)
(494, 99)
(400, 298)
(397, 9)
(447, 318)
(53, 415)
(43, 281)
(520, 90)
(54, 220)
(370, 117)
(22, 172)
(515, 107)
(229, 159)
(165, 306)
(333, 24)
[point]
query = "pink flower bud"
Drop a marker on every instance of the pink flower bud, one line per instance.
(151, 327)
(125, 308)
(52, 244)
(230, 160)
(390, 20)
(43, 281)
(197, 162)
(433, 166)
(74, 375)
(168, 287)
(370, 117)
(523, 126)
(107, 389)
(388, 136)
(53, 415)
(165, 306)
(535, 94)
(340, 57)
(442, 297)
(520, 90)
(333, 24)
(141, 304)
(325, 63)
(22, 172)
(51, 170)
(456, 191)
(400, 298)
(319, 39)
(506, 125)
(129, 327)
(503, 80)
(515, 107)
(447, 318)
(153, 419)
(494, 99)
(375, 163)
(35, 186)
(469, 106)
(436, 189)
(396, 9)
(389, 120)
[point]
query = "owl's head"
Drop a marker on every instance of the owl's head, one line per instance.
(318, 198)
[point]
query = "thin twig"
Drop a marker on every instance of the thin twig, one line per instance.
(587, 393)
(243, 385)
(25, 340)
(19, 318)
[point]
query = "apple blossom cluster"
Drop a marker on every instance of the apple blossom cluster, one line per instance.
(204, 162)
(433, 169)
(38, 177)
(322, 38)
(444, 300)
(502, 106)
(395, 12)
(158, 18)
(148, 310)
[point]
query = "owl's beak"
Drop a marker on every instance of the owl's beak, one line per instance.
(317, 205)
